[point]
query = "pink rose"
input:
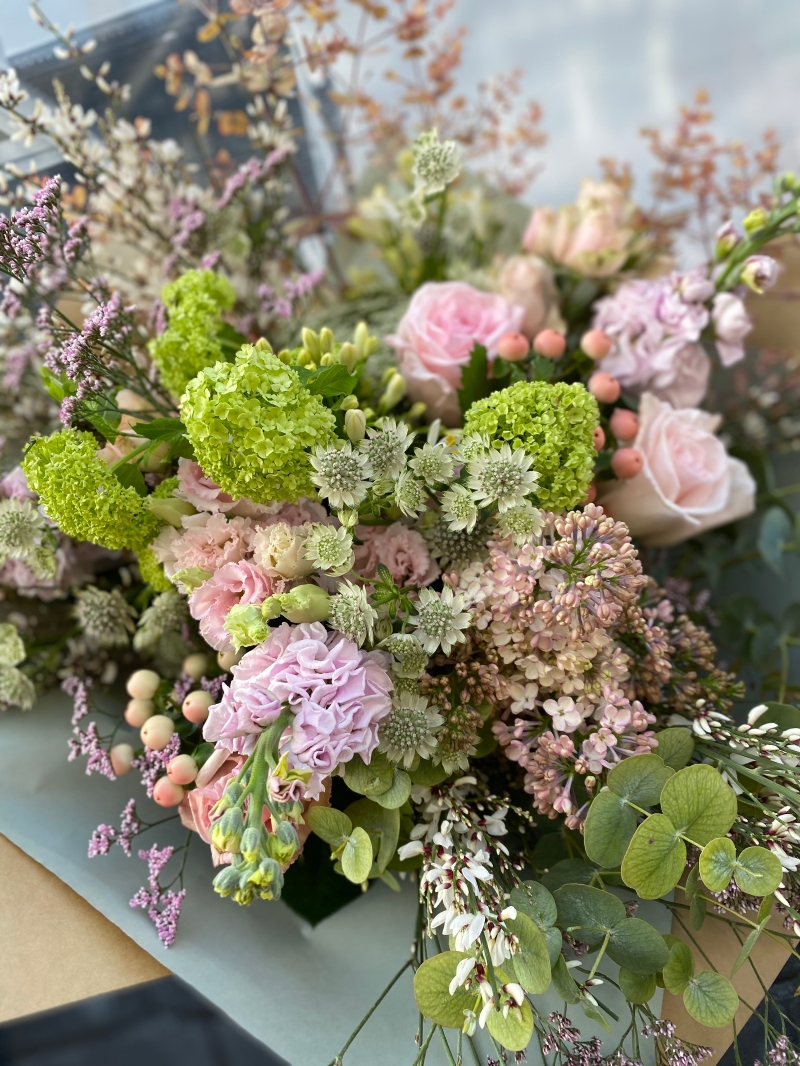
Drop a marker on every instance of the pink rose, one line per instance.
(731, 325)
(404, 551)
(435, 336)
(538, 237)
(231, 584)
(527, 281)
(688, 483)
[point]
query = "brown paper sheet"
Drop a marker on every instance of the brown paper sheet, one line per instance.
(55, 947)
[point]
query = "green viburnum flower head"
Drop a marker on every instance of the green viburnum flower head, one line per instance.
(554, 424)
(82, 496)
(194, 303)
(252, 425)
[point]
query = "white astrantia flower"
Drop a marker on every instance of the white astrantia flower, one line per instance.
(503, 477)
(433, 463)
(410, 495)
(385, 448)
(340, 474)
(459, 509)
(522, 523)
(410, 656)
(440, 619)
(436, 163)
(22, 533)
(330, 548)
(473, 447)
(409, 730)
(351, 613)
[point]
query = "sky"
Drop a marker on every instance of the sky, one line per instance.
(600, 69)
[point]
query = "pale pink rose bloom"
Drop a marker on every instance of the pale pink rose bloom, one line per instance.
(731, 326)
(404, 551)
(527, 281)
(688, 483)
(204, 494)
(538, 237)
(434, 339)
(208, 541)
(233, 583)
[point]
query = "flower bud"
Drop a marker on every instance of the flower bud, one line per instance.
(596, 344)
(226, 832)
(756, 220)
(326, 359)
(727, 239)
(355, 425)
(157, 732)
(348, 356)
(513, 347)
(138, 711)
(228, 659)
(143, 684)
(121, 758)
(603, 387)
(226, 880)
(305, 603)
(283, 844)
(182, 769)
(759, 273)
(167, 793)
(393, 393)
(417, 411)
(326, 340)
(627, 462)
(245, 625)
(598, 438)
(268, 878)
(195, 706)
(365, 344)
(263, 345)
(251, 845)
(550, 343)
(230, 797)
(170, 510)
(195, 665)
(348, 403)
(624, 424)
(311, 343)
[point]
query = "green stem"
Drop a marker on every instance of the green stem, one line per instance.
(423, 1051)
(450, 1058)
(600, 955)
(338, 1059)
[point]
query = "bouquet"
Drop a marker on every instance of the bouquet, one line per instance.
(404, 600)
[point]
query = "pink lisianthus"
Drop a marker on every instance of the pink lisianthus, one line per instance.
(434, 339)
(233, 583)
(688, 483)
(338, 693)
(404, 551)
(204, 494)
(208, 541)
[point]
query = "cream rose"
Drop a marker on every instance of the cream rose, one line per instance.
(688, 483)
(279, 550)
(527, 281)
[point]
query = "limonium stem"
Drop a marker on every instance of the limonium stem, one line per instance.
(338, 1059)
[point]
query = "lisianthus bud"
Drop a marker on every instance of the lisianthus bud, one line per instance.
(355, 425)
(226, 832)
(305, 603)
(245, 625)
(283, 844)
(756, 220)
(417, 411)
(170, 510)
(364, 343)
(326, 359)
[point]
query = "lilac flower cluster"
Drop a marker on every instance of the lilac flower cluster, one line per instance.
(163, 906)
(29, 235)
(282, 306)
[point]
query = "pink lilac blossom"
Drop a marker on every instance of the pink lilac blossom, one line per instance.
(656, 327)
(233, 583)
(338, 693)
(404, 551)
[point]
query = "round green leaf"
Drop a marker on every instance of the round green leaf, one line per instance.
(553, 940)
(357, 856)
(675, 746)
(531, 963)
(533, 899)
(711, 999)
(783, 715)
(699, 803)
(758, 872)
(640, 779)
(691, 885)
(637, 946)
(397, 793)
(428, 775)
(717, 863)
(635, 987)
(564, 983)
(679, 969)
(610, 824)
(513, 1032)
(655, 858)
(329, 824)
(383, 827)
(588, 913)
(697, 911)
(568, 872)
(375, 777)
(432, 991)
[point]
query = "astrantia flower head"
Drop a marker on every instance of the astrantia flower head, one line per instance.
(252, 424)
(411, 658)
(436, 163)
(16, 690)
(473, 446)
(165, 618)
(452, 548)
(340, 475)
(351, 613)
(433, 464)
(105, 617)
(330, 548)
(409, 494)
(440, 619)
(502, 477)
(12, 648)
(385, 448)
(554, 424)
(522, 523)
(24, 535)
(459, 510)
(409, 730)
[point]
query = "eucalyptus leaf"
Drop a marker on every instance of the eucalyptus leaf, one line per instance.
(637, 946)
(775, 531)
(374, 777)
(758, 872)
(675, 746)
(692, 884)
(533, 899)
(329, 824)
(383, 826)
(514, 1031)
(711, 999)
(432, 991)
(587, 913)
(397, 793)
(591, 1011)
(697, 911)
(765, 910)
(568, 872)
(610, 825)
(640, 779)
(699, 803)
(635, 987)
(717, 863)
(679, 969)
(427, 774)
(747, 946)
(356, 858)
(564, 982)
(554, 941)
(531, 963)
(655, 858)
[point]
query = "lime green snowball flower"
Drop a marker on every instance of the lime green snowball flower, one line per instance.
(554, 424)
(194, 304)
(81, 495)
(152, 571)
(252, 425)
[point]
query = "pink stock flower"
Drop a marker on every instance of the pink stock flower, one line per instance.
(207, 541)
(688, 483)
(338, 694)
(436, 335)
(238, 582)
(731, 326)
(404, 551)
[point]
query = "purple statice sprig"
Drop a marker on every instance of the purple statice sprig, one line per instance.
(153, 764)
(163, 905)
(105, 836)
(86, 742)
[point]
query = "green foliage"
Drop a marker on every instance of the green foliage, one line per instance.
(699, 803)
(564, 983)
(679, 969)
(194, 305)
(717, 863)
(432, 990)
(568, 872)
(635, 987)
(356, 857)
(655, 858)
(610, 825)
(776, 529)
(475, 383)
(535, 901)
(427, 774)
(711, 999)
(592, 916)
(383, 828)
(554, 424)
(531, 963)
(675, 746)
(329, 824)
(758, 871)
(514, 1030)
(640, 779)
